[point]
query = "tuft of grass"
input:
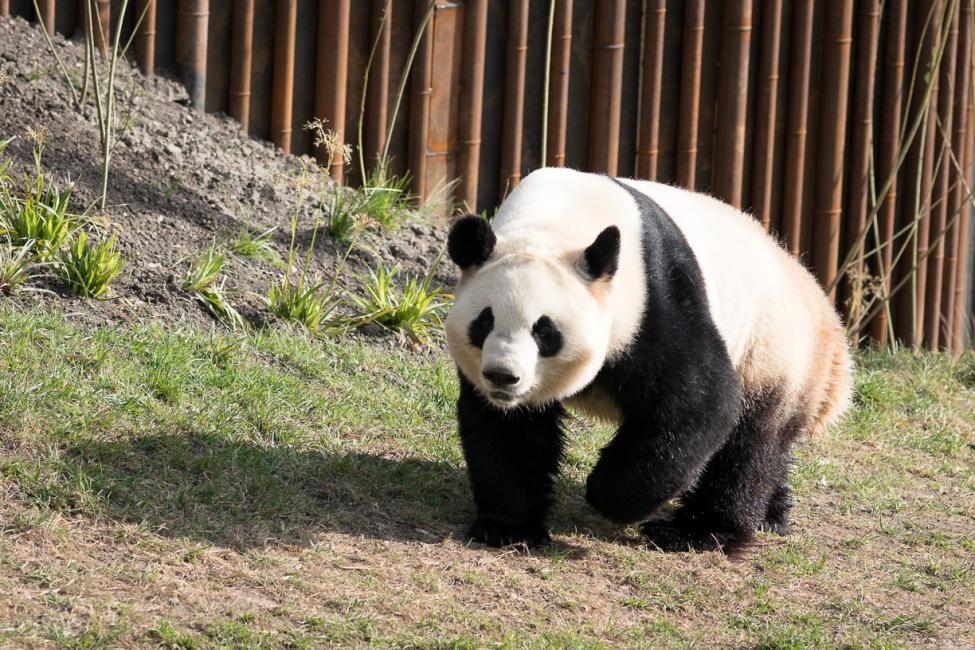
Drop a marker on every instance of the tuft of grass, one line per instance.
(387, 198)
(346, 211)
(15, 267)
(301, 302)
(415, 311)
(88, 268)
(201, 280)
(258, 246)
(40, 218)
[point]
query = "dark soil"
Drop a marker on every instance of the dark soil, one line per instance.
(179, 179)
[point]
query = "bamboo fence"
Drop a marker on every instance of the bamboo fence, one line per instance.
(844, 127)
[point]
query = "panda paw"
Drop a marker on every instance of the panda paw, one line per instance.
(672, 537)
(494, 532)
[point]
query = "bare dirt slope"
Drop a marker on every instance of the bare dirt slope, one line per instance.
(179, 179)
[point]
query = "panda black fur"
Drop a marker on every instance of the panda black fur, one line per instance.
(707, 386)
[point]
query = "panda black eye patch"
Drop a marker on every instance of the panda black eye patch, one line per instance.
(480, 327)
(547, 336)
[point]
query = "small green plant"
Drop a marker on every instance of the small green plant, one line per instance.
(416, 311)
(346, 210)
(88, 268)
(15, 267)
(387, 198)
(258, 246)
(201, 281)
(301, 303)
(40, 217)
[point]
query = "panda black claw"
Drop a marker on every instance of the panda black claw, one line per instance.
(498, 533)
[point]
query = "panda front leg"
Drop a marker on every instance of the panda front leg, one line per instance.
(512, 459)
(646, 464)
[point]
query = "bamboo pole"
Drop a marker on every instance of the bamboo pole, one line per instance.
(960, 145)
(607, 86)
(939, 198)
(690, 93)
(377, 98)
(191, 49)
(798, 128)
(828, 202)
(558, 113)
(895, 60)
(655, 17)
(145, 40)
(514, 95)
(729, 154)
(331, 70)
(104, 15)
(241, 61)
(420, 105)
(47, 15)
(285, 25)
(962, 315)
(767, 113)
(4, 8)
(868, 41)
(909, 305)
(471, 101)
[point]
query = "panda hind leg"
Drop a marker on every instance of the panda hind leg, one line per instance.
(743, 489)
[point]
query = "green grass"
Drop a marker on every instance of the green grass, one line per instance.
(39, 217)
(203, 281)
(257, 246)
(88, 268)
(302, 302)
(15, 267)
(196, 489)
(413, 310)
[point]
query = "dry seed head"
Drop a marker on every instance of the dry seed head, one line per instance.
(39, 137)
(329, 140)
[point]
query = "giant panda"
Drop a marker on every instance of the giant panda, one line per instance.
(669, 313)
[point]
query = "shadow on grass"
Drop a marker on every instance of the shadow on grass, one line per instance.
(241, 495)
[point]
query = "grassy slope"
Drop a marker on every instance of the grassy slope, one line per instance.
(193, 490)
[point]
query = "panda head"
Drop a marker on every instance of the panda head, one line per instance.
(527, 329)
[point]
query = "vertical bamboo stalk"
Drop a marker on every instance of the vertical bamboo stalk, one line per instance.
(241, 60)
(828, 202)
(961, 313)
(960, 145)
(422, 88)
(4, 8)
(145, 40)
(558, 98)
(655, 16)
(607, 86)
(909, 305)
(939, 198)
(331, 69)
(895, 60)
(285, 25)
(767, 113)
(191, 48)
(47, 15)
(868, 39)
(798, 128)
(471, 101)
(377, 101)
(102, 36)
(514, 94)
(729, 152)
(690, 93)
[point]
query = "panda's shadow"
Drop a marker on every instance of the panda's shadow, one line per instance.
(241, 495)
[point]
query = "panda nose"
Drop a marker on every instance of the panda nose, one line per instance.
(500, 376)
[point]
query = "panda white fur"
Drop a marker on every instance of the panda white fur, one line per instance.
(667, 311)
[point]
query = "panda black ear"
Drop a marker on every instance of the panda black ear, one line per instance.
(602, 258)
(471, 241)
